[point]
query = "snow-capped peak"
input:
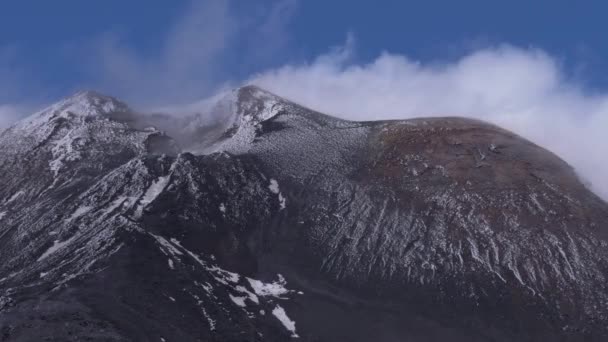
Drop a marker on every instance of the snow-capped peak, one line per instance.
(247, 104)
(80, 105)
(243, 111)
(90, 103)
(68, 129)
(257, 105)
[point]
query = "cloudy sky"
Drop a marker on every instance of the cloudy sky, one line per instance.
(537, 69)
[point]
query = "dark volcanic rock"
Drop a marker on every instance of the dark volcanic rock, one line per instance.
(280, 223)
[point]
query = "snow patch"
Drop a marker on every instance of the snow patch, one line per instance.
(199, 302)
(209, 319)
(79, 212)
(290, 325)
(206, 286)
(115, 205)
(274, 289)
(225, 276)
(151, 193)
(57, 245)
(167, 245)
(15, 196)
(2, 214)
(250, 295)
(240, 301)
(170, 262)
(194, 256)
(66, 149)
(274, 188)
(155, 189)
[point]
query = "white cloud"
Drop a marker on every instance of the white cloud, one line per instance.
(183, 66)
(8, 115)
(524, 90)
(194, 56)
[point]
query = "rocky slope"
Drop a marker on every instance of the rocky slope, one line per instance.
(275, 222)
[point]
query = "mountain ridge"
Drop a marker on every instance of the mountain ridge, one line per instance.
(417, 229)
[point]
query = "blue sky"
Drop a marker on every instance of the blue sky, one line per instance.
(538, 68)
(49, 46)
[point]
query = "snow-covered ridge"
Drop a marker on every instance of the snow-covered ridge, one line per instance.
(90, 103)
(82, 104)
(244, 110)
(256, 105)
(86, 127)
(230, 118)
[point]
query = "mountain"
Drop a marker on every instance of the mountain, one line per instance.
(262, 220)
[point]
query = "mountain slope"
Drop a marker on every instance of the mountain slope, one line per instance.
(280, 222)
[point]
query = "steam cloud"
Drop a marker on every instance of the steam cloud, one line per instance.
(523, 90)
(8, 114)
(193, 58)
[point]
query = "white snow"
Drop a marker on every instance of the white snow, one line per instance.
(232, 277)
(274, 188)
(290, 325)
(79, 212)
(240, 301)
(534, 198)
(272, 105)
(2, 214)
(251, 296)
(150, 195)
(274, 289)
(226, 276)
(170, 262)
(155, 189)
(171, 299)
(15, 196)
(115, 205)
(66, 149)
(247, 116)
(167, 245)
(194, 256)
(209, 319)
(87, 103)
(222, 208)
(57, 245)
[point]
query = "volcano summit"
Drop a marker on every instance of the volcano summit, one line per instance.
(275, 223)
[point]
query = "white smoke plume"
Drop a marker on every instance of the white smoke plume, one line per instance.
(523, 90)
